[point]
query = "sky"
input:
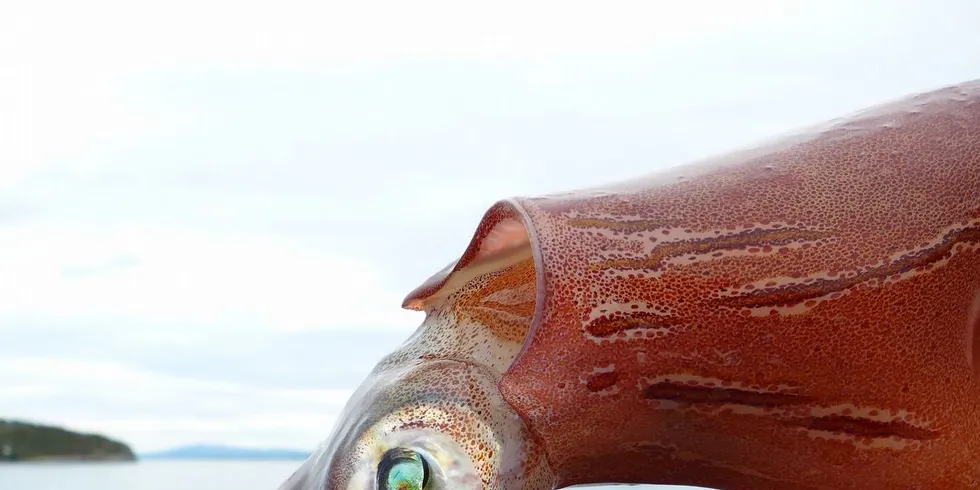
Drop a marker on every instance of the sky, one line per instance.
(210, 211)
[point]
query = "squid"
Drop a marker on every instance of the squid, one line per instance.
(803, 313)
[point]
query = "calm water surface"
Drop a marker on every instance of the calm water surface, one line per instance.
(165, 475)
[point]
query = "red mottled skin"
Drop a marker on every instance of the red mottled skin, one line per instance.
(800, 315)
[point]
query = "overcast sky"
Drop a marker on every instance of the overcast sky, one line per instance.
(211, 210)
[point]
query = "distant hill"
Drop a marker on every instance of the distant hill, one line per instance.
(226, 452)
(23, 441)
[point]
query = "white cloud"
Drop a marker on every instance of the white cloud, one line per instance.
(154, 411)
(179, 277)
(108, 35)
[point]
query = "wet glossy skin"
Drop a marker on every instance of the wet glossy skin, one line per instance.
(799, 315)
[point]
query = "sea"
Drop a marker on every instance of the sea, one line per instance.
(171, 475)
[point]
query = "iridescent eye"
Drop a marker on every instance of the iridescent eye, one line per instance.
(402, 469)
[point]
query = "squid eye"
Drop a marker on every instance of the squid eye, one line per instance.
(402, 469)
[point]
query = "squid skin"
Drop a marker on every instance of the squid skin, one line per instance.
(803, 314)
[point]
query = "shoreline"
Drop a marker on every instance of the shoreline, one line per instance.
(57, 459)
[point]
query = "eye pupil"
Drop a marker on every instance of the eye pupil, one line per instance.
(402, 469)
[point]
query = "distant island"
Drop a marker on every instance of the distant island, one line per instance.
(212, 452)
(23, 441)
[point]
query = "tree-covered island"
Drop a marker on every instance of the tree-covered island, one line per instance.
(23, 441)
